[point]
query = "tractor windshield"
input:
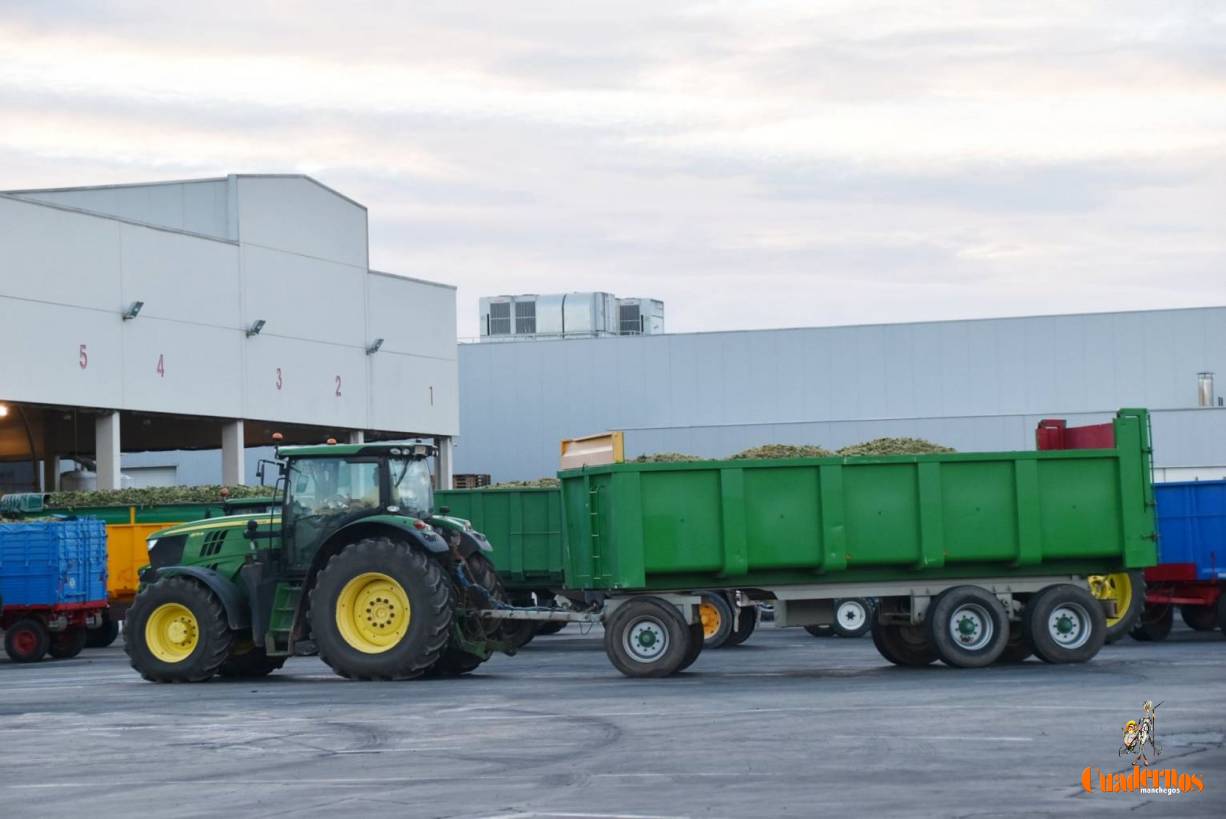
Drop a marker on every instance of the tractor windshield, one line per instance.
(412, 489)
(332, 486)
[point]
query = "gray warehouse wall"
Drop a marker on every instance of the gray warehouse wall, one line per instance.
(971, 384)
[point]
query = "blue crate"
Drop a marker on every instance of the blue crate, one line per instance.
(1192, 525)
(48, 563)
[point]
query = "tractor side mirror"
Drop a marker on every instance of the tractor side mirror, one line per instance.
(252, 528)
(444, 510)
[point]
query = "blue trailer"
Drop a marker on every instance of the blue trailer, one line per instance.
(1191, 570)
(53, 586)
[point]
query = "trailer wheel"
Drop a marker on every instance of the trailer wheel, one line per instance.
(1155, 623)
(647, 637)
(68, 643)
(901, 644)
(249, 660)
(696, 645)
(851, 617)
(968, 627)
(1200, 618)
(823, 631)
(27, 640)
(715, 617)
(1127, 590)
(547, 628)
(1064, 624)
(1017, 648)
(380, 611)
(104, 635)
(176, 632)
(746, 623)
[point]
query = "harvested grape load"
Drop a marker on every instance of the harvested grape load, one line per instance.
(154, 495)
(769, 451)
(539, 483)
(894, 446)
(666, 458)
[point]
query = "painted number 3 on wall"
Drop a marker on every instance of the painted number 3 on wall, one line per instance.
(280, 380)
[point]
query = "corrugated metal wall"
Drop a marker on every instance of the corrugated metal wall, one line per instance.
(970, 384)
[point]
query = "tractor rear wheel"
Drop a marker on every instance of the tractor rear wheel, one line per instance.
(176, 631)
(27, 640)
(249, 660)
(103, 635)
(455, 661)
(68, 643)
(548, 628)
(380, 610)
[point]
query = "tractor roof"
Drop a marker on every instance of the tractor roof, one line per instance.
(350, 450)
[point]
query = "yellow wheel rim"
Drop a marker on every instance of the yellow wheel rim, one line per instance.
(172, 632)
(1117, 587)
(373, 613)
(709, 615)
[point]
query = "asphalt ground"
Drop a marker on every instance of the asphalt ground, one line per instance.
(785, 725)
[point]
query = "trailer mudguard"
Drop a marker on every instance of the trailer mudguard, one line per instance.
(238, 614)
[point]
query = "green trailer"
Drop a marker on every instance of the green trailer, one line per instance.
(974, 557)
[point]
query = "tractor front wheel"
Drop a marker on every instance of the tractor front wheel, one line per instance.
(380, 610)
(176, 631)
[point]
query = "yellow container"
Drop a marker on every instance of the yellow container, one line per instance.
(126, 554)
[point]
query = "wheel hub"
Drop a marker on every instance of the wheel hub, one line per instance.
(172, 632)
(971, 626)
(373, 612)
(1068, 625)
(646, 640)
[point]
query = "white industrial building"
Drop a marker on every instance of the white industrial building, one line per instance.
(972, 385)
(206, 314)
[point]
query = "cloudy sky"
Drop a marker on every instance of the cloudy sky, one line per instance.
(754, 164)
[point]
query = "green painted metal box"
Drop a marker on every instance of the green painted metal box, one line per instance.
(749, 524)
(524, 526)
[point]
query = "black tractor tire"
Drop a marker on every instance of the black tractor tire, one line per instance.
(715, 619)
(1064, 624)
(647, 637)
(516, 632)
(547, 628)
(697, 644)
(1017, 648)
(68, 643)
(27, 640)
(249, 661)
(211, 643)
(1200, 618)
(825, 630)
(1155, 623)
(746, 623)
(904, 645)
(104, 635)
(968, 627)
(431, 608)
(852, 617)
(1127, 585)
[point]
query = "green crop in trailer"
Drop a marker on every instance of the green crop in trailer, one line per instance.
(776, 522)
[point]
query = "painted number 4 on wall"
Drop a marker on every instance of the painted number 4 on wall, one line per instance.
(161, 367)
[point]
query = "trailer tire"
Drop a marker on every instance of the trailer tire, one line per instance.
(852, 617)
(411, 623)
(697, 644)
(824, 630)
(1127, 589)
(547, 628)
(1017, 648)
(27, 640)
(968, 627)
(176, 631)
(1200, 618)
(104, 635)
(250, 662)
(647, 637)
(715, 619)
(746, 624)
(904, 645)
(1154, 624)
(1064, 624)
(68, 643)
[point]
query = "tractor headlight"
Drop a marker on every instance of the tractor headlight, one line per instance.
(149, 544)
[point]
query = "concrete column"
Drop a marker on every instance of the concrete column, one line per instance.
(233, 470)
(107, 450)
(445, 474)
(51, 473)
(357, 436)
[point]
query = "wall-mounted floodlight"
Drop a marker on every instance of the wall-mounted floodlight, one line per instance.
(374, 346)
(133, 310)
(255, 328)
(4, 411)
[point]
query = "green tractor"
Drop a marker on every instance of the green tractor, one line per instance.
(345, 559)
